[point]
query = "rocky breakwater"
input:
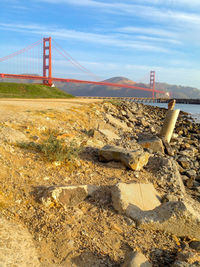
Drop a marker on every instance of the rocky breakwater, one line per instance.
(129, 198)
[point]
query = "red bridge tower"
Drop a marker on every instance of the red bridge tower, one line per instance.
(152, 82)
(47, 67)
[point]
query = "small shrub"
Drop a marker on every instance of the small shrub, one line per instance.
(54, 149)
(115, 102)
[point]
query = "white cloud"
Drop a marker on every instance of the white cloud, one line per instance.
(104, 39)
(149, 31)
(140, 10)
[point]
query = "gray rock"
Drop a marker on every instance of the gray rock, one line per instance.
(195, 245)
(185, 264)
(16, 246)
(134, 160)
(167, 175)
(67, 196)
(109, 134)
(167, 147)
(136, 259)
(180, 264)
(191, 173)
(118, 123)
(184, 162)
(178, 218)
(155, 144)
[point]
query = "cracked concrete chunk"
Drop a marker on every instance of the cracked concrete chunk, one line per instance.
(178, 218)
(116, 122)
(136, 259)
(142, 196)
(133, 159)
(155, 144)
(109, 134)
(67, 196)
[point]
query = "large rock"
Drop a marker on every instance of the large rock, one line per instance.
(109, 134)
(67, 196)
(165, 171)
(136, 259)
(140, 202)
(178, 218)
(141, 196)
(116, 122)
(134, 160)
(12, 136)
(16, 246)
(155, 144)
(195, 245)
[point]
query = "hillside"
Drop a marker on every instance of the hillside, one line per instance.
(21, 90)
(99, 90)
(178, 91)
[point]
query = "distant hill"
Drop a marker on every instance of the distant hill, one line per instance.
(22, 90)
(179, 91)
(77, 89)
(99, 90)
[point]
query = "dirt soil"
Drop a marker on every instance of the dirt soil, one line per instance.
(92, 233)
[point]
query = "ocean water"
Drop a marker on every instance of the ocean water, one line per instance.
(194, 110)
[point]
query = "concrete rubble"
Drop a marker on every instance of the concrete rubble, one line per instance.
(141, 203)
(136, 259)
(134, 160)
(67, 196)
(155, 144)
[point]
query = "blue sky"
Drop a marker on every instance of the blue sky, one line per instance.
(111, 38)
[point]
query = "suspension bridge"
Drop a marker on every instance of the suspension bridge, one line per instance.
(37, 58)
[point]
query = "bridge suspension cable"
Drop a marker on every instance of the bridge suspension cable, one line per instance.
(74, 62)
(21, 51)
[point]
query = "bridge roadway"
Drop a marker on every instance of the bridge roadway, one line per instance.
(55, 79)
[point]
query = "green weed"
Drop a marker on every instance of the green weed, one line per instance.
(53, 149)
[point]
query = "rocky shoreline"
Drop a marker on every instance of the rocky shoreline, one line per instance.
(129, 198)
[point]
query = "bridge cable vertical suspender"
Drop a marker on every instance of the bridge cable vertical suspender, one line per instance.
(47, 66)
(152, 83)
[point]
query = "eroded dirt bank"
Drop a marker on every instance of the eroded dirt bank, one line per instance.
(91, 232)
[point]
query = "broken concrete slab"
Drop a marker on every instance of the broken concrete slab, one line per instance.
(165, 170)
(136, 259)
(66, 196)
(133, 159)
(143, 196)
(141, 203)
(116, 122)
(178, 218)
(109, 134)
(155, 144)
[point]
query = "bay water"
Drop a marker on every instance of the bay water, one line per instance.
(194, 110)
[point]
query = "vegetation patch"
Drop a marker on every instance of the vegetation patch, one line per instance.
(22, 90)
(115, 102)
(54, 149)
